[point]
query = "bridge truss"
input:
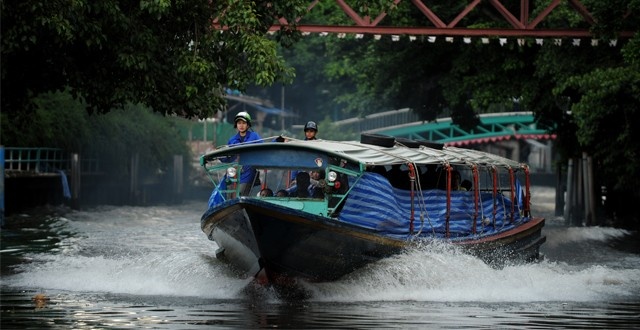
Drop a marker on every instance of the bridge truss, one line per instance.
(521, 24)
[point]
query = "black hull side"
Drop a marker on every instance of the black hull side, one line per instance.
(291, 244)
(255, 235)
(520, 244)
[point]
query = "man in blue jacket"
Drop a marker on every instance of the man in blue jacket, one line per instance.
(242, 123)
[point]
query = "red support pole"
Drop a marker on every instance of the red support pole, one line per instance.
(476, 198)
(512, 182)
(495, 195)
(527, 199)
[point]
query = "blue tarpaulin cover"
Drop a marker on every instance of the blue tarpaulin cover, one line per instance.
(374, 204)
(216, 195)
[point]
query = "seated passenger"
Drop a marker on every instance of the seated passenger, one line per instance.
(429, 176)
(456, 180)
(304, 188)
(466, 185)
(316, 189)
(399, 178)
(266, 192)
(378, 169)
(303, 181)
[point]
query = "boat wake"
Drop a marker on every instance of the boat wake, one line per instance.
(581, 265)
(444, 273)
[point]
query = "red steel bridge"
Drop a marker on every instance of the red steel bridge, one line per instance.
(512, 18)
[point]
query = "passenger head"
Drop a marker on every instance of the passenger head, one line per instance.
(317, 175)
(467, 185)
(242, 121)
(455, 180)
(266, 192)
(303, 181)
(282, 193)
(310, 130)
(378, 169)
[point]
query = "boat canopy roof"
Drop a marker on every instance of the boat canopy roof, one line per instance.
(369, 154)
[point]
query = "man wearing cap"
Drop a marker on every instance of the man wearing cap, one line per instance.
(310, 130)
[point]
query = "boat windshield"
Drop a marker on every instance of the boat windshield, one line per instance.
(273, 181)
(285, 182)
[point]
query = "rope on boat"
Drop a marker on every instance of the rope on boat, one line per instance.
(527, 199)
(483, 216)
(421, 199)
(504, 207)
(423, 209)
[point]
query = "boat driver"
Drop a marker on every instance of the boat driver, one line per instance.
(242, 122)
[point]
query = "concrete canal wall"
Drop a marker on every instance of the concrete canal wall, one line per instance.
(25, 192)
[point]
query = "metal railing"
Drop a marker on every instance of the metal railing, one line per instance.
(36, 160)
(373, 121)
(379, 120)
(44, 161)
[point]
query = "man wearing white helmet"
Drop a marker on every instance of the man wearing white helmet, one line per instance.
(242, 122)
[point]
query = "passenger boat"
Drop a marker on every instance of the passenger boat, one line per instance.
(375, 198)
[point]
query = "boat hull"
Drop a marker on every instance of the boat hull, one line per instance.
(257, 236)
(520, 244)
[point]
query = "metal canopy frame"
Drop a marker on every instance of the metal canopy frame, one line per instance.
(493, 127)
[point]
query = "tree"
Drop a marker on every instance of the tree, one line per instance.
(606, 113)
(587, 95)
(162, 53)
(59, 121)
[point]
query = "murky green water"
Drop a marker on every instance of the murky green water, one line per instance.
(152, 267)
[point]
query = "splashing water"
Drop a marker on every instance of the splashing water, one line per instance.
(161, 251)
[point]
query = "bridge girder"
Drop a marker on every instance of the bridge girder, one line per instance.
(519, 26)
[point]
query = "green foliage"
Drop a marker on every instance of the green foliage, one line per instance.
(611, 14)
(631, 52)
(121, 133)
(163, 54)
(328, 130)
(607, 115)
(585, 94)
(166, 55)
(59, 121)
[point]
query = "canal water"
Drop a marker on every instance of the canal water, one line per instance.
(151, 267)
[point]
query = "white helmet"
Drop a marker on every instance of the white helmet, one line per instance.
(244, 116)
